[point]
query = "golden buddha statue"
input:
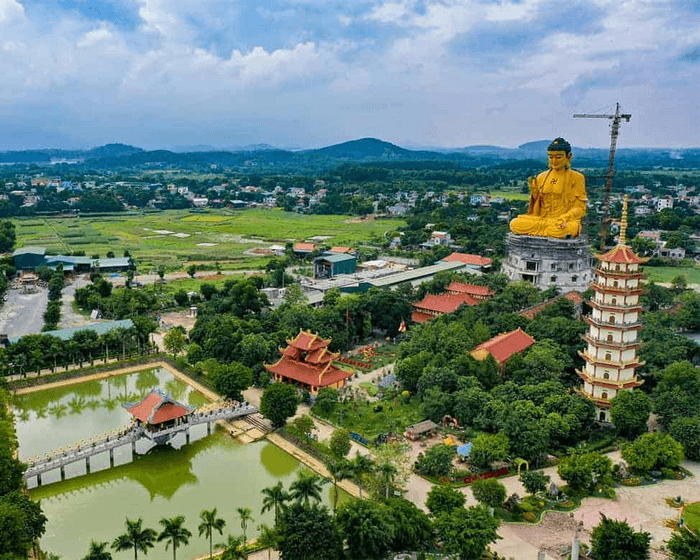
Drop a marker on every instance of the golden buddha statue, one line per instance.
(557, 198)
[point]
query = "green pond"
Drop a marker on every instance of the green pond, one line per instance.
(211, 472)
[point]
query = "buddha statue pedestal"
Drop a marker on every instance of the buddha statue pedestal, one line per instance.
(548, 261)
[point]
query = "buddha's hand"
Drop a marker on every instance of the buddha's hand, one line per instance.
(532, 182)
(560, 223)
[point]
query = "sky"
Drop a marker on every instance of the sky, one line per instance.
(310, 73)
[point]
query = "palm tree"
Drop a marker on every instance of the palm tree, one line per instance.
(174, 532)
(97, 551)
(234, 549)
(306, 487)
(135, 537)
(274, 498)
(361, 465)
(267, 538)
(209, 524)
(339, 470)
(245, 514)
(388, 471)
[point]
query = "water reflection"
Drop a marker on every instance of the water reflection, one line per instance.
(276, 463)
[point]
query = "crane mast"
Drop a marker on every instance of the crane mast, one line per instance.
(614, 132)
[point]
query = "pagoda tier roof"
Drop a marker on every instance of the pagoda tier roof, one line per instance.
(307, 341)
(444, 303)
(321, 356)
(622, 364)
(314, 375)
(601, 403)
(613, 326)
(621, 254)
(157, 407)
(615, 345)
(617, 290)
(636, 307)
(503, 346)
(619, 273)
(610, 383)
(420, 317)
(471, 289)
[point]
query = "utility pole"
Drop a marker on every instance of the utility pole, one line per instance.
(614, 132)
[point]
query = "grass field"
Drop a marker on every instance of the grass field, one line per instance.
(668, 273)
(176, 237)
(510, 195)
(692, 516)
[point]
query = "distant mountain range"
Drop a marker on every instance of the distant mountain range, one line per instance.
(365, 151)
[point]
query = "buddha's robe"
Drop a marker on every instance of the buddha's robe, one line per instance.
(557, 204)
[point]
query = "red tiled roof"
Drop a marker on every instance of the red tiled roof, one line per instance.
(341, 249)
(157, 407)
(312, 375)
(307, 341)
(504, 345)
(419, 317)
(471, 289)
(474, 260)
(444, 303)
(621, 254)
(304, 246)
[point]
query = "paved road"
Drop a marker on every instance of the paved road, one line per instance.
(22, 314)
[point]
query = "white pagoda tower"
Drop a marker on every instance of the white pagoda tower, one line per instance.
(611, 355)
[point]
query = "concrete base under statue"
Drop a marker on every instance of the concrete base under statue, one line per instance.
(546, 261)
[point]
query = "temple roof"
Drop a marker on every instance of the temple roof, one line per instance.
(473, 260)
(444, 303)
(157, 407)
(420, 317)
(313, 375)
(471, 289)
(307, 341)
(621, 254)
(503, 346)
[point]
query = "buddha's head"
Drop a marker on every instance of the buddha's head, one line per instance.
(559, 154)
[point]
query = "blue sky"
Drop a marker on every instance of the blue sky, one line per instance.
(309, 73)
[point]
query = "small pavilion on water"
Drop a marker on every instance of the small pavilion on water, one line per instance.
(157, 411)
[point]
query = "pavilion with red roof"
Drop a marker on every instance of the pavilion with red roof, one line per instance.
(477, 292)
(472, 261)
(503, 346)
(434, 305)
(307, 363)
(158, 410)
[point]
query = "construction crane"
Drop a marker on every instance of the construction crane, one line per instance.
(614, 132)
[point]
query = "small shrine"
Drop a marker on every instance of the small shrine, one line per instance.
(157, 411)
(503, 346)
(307, 363)
(611, 355)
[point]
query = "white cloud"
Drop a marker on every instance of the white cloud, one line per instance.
(10, 11)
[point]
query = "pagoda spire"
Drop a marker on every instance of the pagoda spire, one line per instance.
(623, 225)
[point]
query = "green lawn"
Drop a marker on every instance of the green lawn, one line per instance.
(691, 516)
(668, 273)
(176, 237)
(510, 195)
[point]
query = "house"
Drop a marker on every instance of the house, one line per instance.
(422, 429)
(307, 363)
(664, 202)
(434, 305)
(674, 253)
(330, 265)
(475, 262)
(342, 250)
(503, 346)
(438, 238)
(303, 250)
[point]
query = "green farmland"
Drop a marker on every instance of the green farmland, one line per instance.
(176, 237)
(668, 273)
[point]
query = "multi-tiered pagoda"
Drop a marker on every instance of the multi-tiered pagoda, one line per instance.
(307, 363)
(611, 355)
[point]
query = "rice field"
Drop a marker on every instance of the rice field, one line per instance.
(175, 238)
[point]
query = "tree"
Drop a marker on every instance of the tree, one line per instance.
(534, 481)
(210, 523)
(684, 545)
(487, 448)
(388, 472)
(489, 492)
(308, 532)
(192, 270)
(361, 465)
(233, 549)
(136, 537)
(583, 472)
(306, 487)
(174, 533)
(326, 399)
(630, 411)
(653, 451)
(231, 380)
(274, 498)
(436, 461)
(27, 513)
(466, 532)
(616, 540)
(339, 470)
(366, 527)
(245, 513)
(161, 272)
(98, 551)
(278, 402)
(443, 499)
(267, 538)
(412, 527)
(340, 443)
(174, 341)
(686, 431)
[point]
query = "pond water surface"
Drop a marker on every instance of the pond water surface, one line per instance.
(212, 472)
